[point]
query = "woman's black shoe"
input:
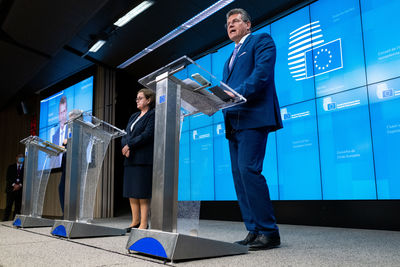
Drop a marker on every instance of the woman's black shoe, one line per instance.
(128, 230)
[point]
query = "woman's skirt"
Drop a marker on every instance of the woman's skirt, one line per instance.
(138, 180)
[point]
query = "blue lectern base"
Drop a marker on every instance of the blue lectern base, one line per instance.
(175, 246)
(26, 221)
(70, 229)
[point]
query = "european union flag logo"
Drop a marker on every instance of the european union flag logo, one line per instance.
(387, 93)
(287, 116)
(331, 106)
(324, 58)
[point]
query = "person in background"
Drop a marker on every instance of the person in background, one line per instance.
(14, 179)
(250, 72)
(137, 148)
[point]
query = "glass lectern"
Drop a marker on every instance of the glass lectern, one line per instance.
(38, 154)
(182, 88)
(88, 140)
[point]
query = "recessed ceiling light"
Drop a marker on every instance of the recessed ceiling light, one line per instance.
(133, 13)
(97, 46)
(177, 31)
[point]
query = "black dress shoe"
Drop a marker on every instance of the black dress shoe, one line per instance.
(265, 242)
(128, 230)
(249, 238)
(147, 227)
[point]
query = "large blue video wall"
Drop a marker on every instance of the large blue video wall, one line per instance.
(77, 96)
(338, 84)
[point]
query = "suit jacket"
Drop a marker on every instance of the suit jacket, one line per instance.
(55, 139)
(252, 75)
(141, 139)
(12, 176)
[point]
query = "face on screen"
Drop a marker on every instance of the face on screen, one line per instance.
(62, 114)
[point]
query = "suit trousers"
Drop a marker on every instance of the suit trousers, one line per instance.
(247, 150)
(14, 197)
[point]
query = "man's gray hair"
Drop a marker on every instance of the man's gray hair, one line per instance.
(245, 15)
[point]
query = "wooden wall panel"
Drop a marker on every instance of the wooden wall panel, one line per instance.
(13, 128)
(104, 109)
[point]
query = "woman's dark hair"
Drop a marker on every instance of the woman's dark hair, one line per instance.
(149, 94)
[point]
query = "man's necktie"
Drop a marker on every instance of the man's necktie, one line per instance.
(235, 51)
(19, 171)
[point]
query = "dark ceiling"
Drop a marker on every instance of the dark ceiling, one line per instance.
(42, 42)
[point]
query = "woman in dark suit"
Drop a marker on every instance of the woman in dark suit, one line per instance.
(137, 148)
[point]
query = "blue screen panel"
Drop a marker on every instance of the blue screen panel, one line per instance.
(338, 60)
(78, 96)
(345, 146)
(83, 94)
(218, 117)
(185, 121)
(298, 155)
(49, 110)
(270, 168)
(205, 64)
(292, 39)
(44, 134)
(265, 29)
(385, 119)
(382, 42)
(44, 111)
(182, 75)
(184, 168)
(224, 187)
(219, 58)
(202, 164)
(201, 120)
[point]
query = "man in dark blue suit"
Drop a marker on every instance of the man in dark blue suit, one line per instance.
(250, 72)
(61, 133)
(14, 180)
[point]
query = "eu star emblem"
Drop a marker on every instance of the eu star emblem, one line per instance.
(325, 58)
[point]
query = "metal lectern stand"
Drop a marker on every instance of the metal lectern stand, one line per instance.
(36, 175)
(88, 140)
(199, 92)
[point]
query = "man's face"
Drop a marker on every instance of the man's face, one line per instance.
(20, 158)
(62, 114)
(237, 28)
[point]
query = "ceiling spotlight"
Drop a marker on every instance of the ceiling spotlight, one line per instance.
(133, 13)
